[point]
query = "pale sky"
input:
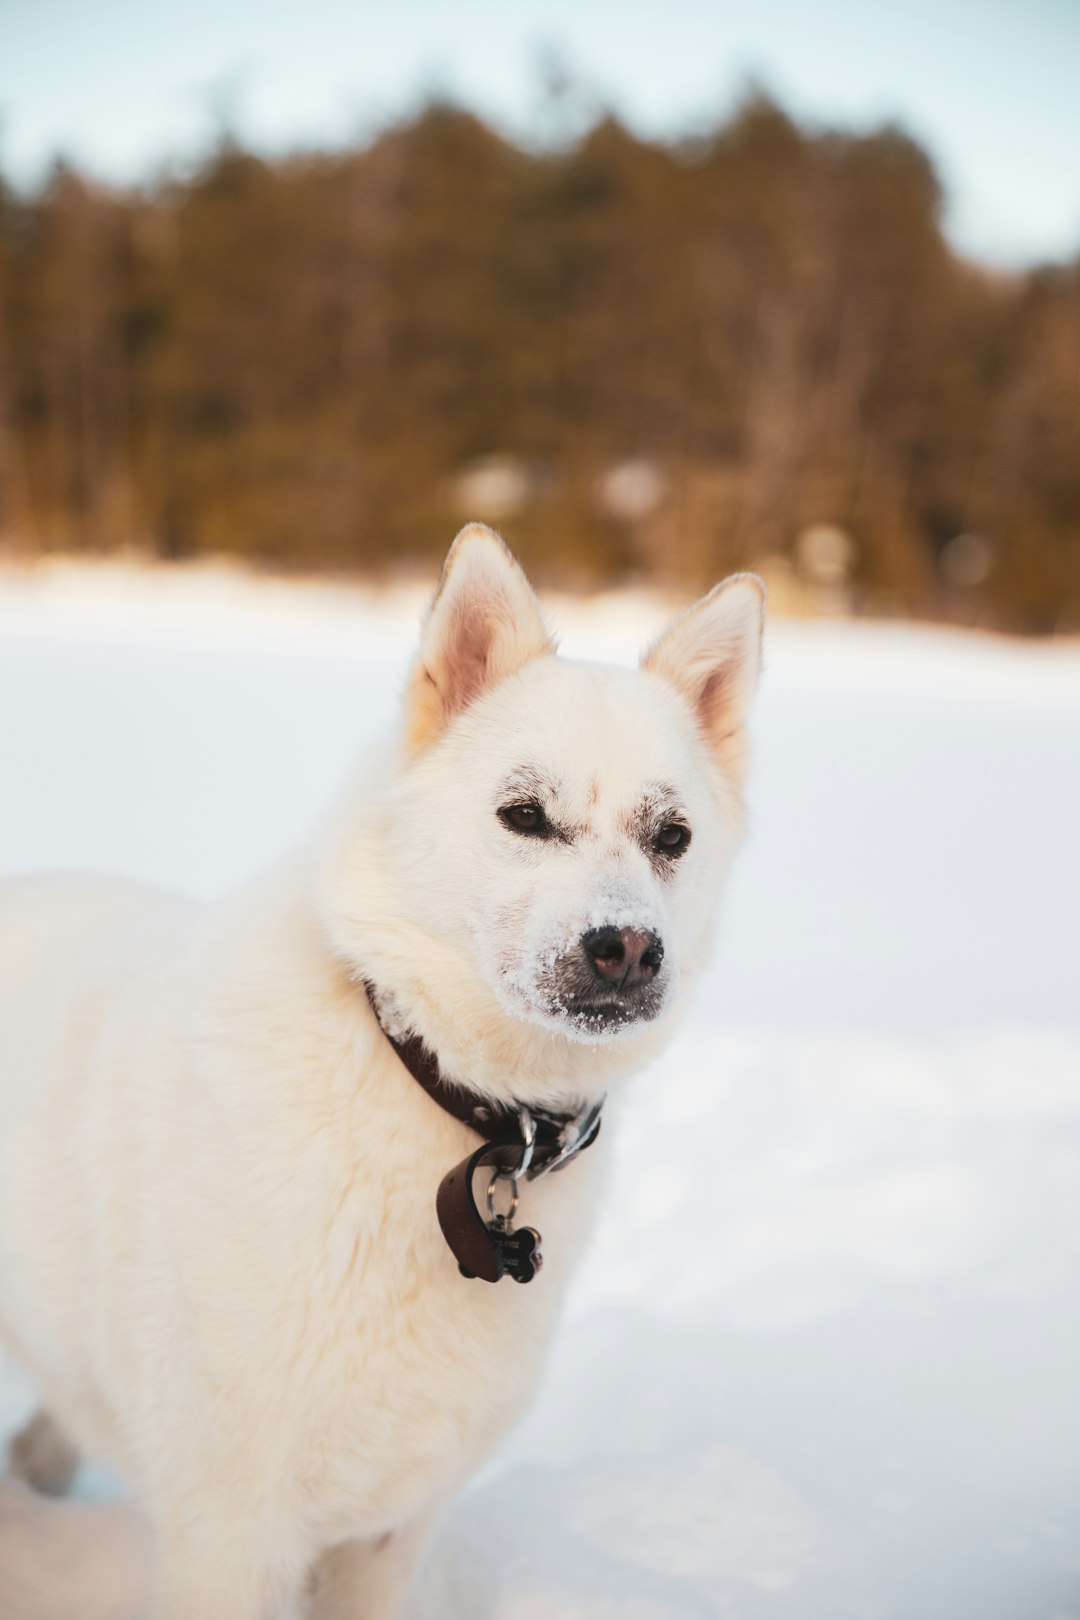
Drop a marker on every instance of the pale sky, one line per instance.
(991, 87)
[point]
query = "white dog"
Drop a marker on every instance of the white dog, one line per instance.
(224, 1129)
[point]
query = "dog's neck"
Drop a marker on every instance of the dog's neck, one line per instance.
(480, 1048)
(490, 1119)
(482, 1113)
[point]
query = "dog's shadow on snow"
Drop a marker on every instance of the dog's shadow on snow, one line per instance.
(872, 1465)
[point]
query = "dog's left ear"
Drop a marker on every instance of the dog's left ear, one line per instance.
(484, 624)
(712, 655)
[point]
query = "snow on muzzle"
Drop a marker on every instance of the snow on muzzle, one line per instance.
(605, 971)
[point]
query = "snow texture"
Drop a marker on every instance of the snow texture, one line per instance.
(822, 1359)
(534, 982)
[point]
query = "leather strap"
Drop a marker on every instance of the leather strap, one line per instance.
(482, 1250)
(470, 1239)
(490, 1119)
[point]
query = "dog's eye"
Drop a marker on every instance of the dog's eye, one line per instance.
(672, 838)
(525, 818)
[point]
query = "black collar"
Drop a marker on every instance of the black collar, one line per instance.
(519, 1141)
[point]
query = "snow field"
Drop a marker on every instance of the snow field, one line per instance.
(822, 1357)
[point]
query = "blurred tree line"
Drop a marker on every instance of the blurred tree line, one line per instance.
(639, 359)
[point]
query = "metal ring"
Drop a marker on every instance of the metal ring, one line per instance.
(493, 1214)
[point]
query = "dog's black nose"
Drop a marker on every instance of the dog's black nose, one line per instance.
(624, 956)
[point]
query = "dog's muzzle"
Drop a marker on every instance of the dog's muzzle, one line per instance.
(614, 978)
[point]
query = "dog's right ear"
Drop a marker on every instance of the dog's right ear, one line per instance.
(484, 623)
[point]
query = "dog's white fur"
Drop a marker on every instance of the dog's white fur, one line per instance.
(218, 1251)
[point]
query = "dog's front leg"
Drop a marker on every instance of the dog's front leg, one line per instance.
(214, 1563)
(368, 1580)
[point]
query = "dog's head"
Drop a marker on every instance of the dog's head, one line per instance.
(561, 829)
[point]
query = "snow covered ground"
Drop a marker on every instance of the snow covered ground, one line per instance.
(823, 1360)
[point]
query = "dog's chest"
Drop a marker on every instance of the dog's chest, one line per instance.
(420, 1371)
(417, 1406)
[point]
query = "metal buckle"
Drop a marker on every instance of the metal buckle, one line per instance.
(574, 1137)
